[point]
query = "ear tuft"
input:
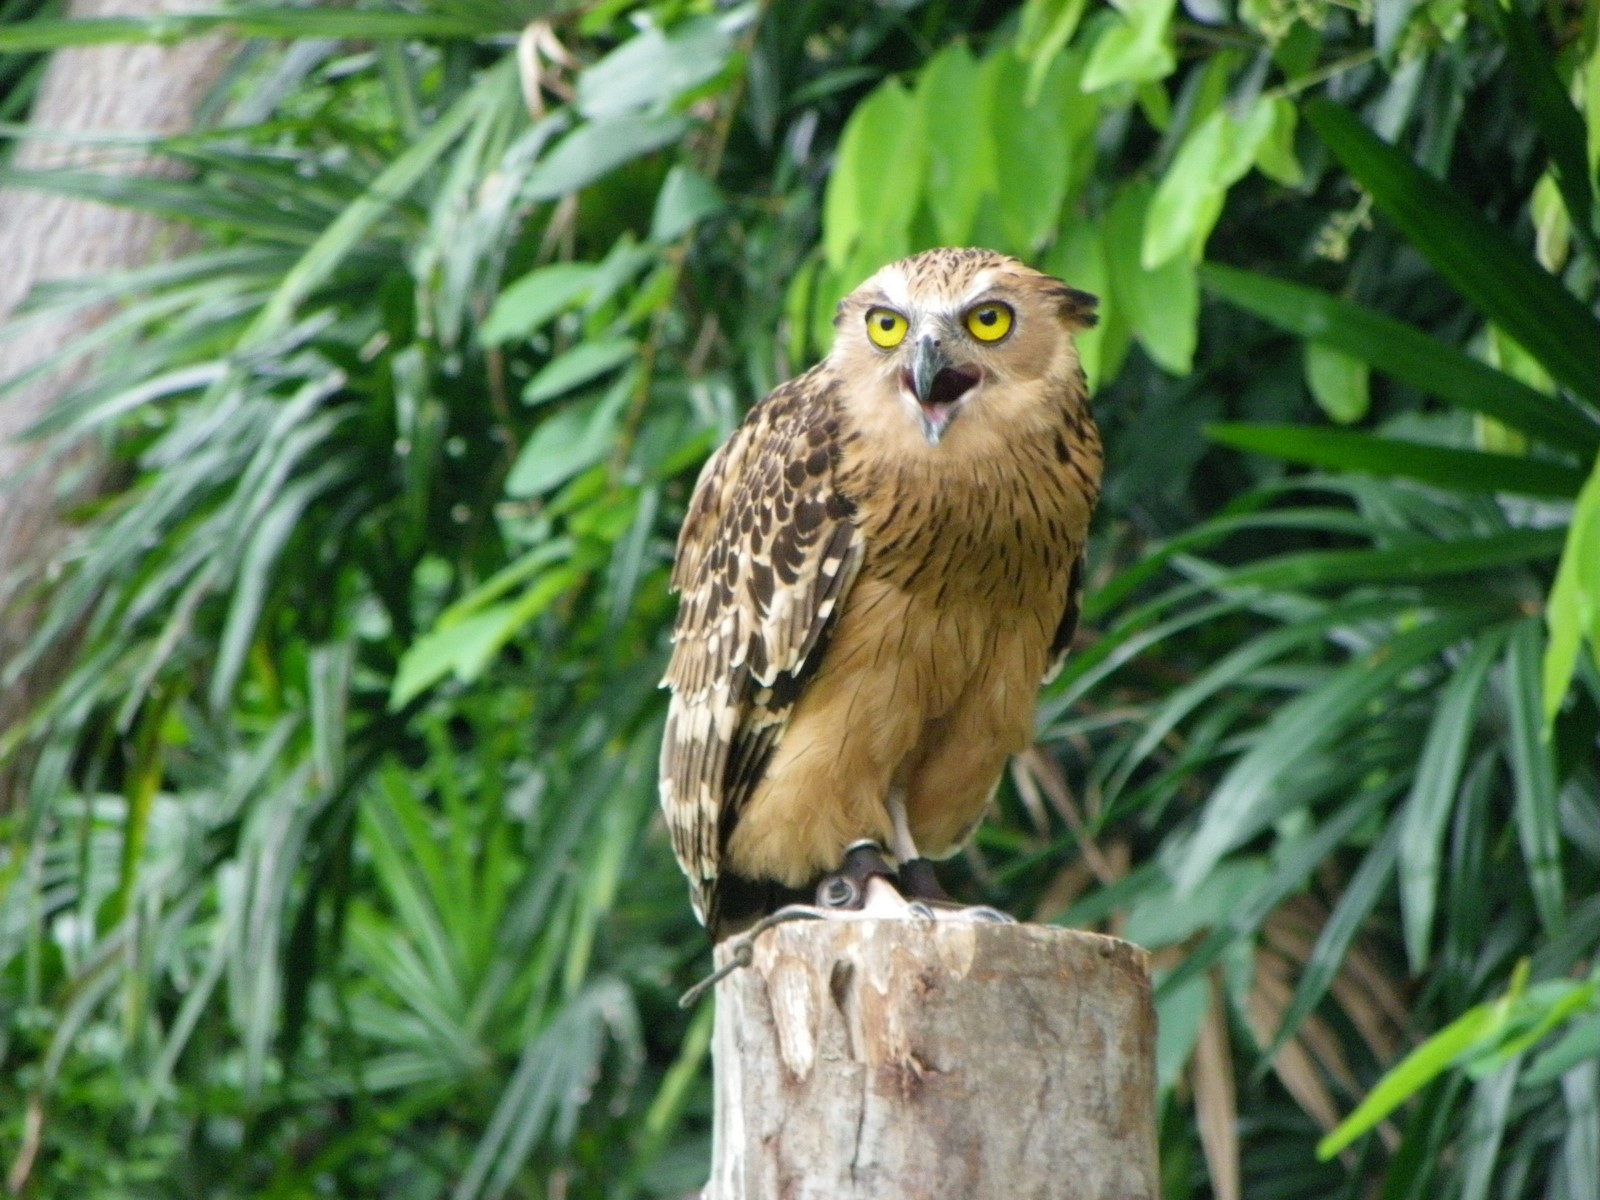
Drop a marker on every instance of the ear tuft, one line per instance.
(1077, 308)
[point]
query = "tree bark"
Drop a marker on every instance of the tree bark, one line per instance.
(892, 1060)
(115, 89)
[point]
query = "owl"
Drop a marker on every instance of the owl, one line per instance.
(877, 571)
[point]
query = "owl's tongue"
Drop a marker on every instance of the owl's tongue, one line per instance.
(940, 397)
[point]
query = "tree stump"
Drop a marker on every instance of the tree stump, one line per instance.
(892, 1060)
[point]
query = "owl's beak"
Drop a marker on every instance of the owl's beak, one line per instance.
(937, 386)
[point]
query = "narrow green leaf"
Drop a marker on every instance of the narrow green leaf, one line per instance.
(1477, 257)
(1533, 769)
(1408, 354)
(391, 186)
(1580, 1089)
(1246, 797)
(1560, 124)
(1413, 1073)
(1359, 897)
(1486, 1130)
(1439, 466)
(1580, 1043)
(43, 33)
(1179, 1014)
(1572, 611)
(1433, 792)
(1229, 671)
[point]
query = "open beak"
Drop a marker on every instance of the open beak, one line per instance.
(936, 386)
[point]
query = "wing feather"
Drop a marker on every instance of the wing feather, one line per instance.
(766, 557)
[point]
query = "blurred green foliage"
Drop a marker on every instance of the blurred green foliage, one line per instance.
(337, 870)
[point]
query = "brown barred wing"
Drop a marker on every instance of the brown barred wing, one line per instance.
(765, 559)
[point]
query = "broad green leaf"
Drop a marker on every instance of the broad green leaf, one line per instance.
(1162, 306)
(1031, 187)
(1275, 156)
(595, 149)
(1477, 257)
(1043, 32)
(1078, 258)
(876, 182)
(654, 68)
(1434, 788)
(572, 440)
(1552, 226)
(1135, 49)
(1533, 770)
(533, 300)
(1214, 156)
(1405, 353)
(1247, 796)
(1572, 612)
(582, 364)
(1338, 383)
(954, 108)
(686, 198)
(1439, 466)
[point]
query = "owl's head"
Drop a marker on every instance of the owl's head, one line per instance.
(948, 332)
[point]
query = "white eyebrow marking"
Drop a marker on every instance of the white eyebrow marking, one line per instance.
(981, 283)
(895, 291)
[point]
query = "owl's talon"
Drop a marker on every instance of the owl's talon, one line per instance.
(983, 912)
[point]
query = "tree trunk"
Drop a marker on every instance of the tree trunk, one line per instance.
(891, 1060)
(114, 89)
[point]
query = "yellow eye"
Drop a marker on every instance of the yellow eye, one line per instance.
(886, 328)
(989, 322)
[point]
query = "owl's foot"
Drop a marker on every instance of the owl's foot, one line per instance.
(918, 882)
(864, 888)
